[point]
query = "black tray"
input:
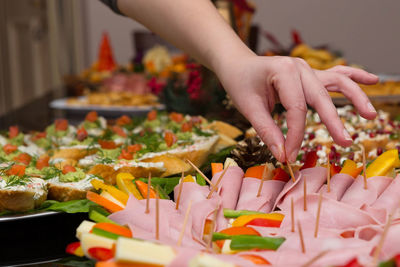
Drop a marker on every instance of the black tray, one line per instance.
(37, 237)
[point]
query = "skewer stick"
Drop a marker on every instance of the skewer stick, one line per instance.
(313, 260)
(305, 193)
(292, 213)
(209, 241)
(303, 247)
(382, 240)
(200, 172)
(178, 199)
(157, 216)
(318, 214)
(185, 220)
(364, 168)
(215, 187)
(148, 194)
(291, 171)
(264, 176)
(328, 172)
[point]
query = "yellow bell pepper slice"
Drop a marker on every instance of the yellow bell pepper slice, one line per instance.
(124, 183)
(244, 219)
(79, 252)
(350, 168)
(189, 178)
(384, 163)
(116, 193)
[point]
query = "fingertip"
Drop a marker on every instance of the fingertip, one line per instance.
(278, 152)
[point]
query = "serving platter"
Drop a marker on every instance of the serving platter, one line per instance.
(36, 237)
(62, 104)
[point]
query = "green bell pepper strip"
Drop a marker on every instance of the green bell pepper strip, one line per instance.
(389, 263)
(97, 217)
(228, 213)
(103, 233)
(248, 242)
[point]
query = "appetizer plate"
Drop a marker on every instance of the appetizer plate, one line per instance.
(62, 104)
(37, 237)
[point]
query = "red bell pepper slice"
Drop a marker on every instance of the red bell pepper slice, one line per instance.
(72, 247)
(105, 144)
(280, 175)
(264, 222)
(13, 131)
(101, 254)
(310, 161)
(81, 134)
(352, 263)
(92, 116)
(335, 169)
(61, 124)
(397, 259)
(8, 148)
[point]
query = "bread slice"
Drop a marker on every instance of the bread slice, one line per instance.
(196, 153)
(75, 153)
(21, 198)
(225, 128)
(62, 191)
(137, 169)
(172, 164)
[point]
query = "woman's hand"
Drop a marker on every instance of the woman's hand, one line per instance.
(255, 84)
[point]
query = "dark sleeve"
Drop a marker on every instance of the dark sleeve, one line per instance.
(113, 5)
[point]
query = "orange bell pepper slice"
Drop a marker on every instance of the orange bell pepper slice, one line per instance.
(116, 193)
(113, 228)
(255, 172)
(216, 167)
(350, 168)
(142, 186)
(105, 203)
(245, 219)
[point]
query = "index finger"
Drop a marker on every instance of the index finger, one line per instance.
(291, 95)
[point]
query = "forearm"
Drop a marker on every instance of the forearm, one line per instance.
(195, 26)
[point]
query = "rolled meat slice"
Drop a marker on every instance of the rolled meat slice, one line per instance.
(248, 199)
(316, 177)
(356, 195)
(334, 214)
(190, 192)
(339, 184)
(389, 199)
(229, 186)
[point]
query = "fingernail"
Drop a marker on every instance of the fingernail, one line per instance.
(347, 135)
(374, 76)
(332, 88)
(293, 156)
(371, 108)
(276, 151)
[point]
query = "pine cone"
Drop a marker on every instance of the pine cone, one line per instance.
(250, 152)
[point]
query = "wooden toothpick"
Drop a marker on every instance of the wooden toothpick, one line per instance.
(313, 260)
(214, 219)
(364, 168)
(305, 193)
(292, 213)
(185, 220)
(178, 199)
(264, 176)
(215, 187)
(157, 216)
(303, 247)
(318, 214)
(148, 194)
(291, 171)
(328, 172)
(200, 172)
(378, 249)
